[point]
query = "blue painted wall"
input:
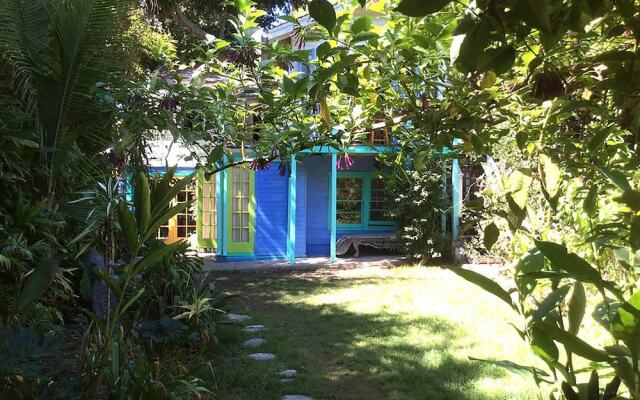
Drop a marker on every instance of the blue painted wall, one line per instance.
(318, 168)
(301, 210)
(271, 191)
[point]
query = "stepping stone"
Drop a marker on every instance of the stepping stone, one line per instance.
(262, 356)
(254, 342)
(288, 374)
(222, 278)
(296, 397)
(253, 328)
(237, 317)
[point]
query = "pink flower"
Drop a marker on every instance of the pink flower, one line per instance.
(345, 162)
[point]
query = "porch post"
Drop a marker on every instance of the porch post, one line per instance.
(443, 215)
(333, 206)
(291, 227)
(455, 198)
(221, 196)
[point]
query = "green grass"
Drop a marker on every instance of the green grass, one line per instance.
(398, 334)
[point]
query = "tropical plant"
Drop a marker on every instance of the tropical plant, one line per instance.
(204, 310)
(151, 209)
(57, 55)
(418, 208)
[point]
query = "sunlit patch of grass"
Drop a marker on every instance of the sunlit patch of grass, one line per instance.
(401, 334)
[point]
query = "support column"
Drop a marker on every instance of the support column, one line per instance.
(443, 215)
(456, 202)
(221, 196)
(333, 206)
(291, 227)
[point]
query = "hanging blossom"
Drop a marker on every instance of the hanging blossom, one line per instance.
(285, 168)
(259, 164)
(345, 162)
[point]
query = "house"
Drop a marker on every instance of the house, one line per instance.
(247, 214)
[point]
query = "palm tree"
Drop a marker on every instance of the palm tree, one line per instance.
(57, 55)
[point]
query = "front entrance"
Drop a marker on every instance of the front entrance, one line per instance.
(241, 211)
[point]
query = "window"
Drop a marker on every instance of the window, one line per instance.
(182, 225)
(207, 211)
(186, 220)
(379, 204)
(349, 200)
(362, 202)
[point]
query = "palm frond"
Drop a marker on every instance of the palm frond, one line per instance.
(57, 52)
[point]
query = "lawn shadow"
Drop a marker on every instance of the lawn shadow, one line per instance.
(364, 355)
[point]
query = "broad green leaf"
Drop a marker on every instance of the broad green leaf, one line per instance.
(628, 318)
(577, 306)
(421, 8)
(155, 256)
(522, 370)
(541, 10)
(166, 194)
(531, 262)
(611, 390)
(491, 234)
(322, 12)
(543, 346)
(617, 177)
(129, 228)
(568, 391)
(561, 259)
(573, 343)
(420, 160)
(550, 179)
(499, 60)
(363, 37)
(288, 85)
(590, 204)
(550, 302)
(615, 56)
(113, 284)
(38, 281)
(465, 24)
(593, 388)
(518, 185)
(631, 198)
(142, 202)
(516, 215)
(634, 237)
(473, 45)
(361, 24)
(163, 218)
(132, 300)
(485, 283)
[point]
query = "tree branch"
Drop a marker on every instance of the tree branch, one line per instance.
(180, 18)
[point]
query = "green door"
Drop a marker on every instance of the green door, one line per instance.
(240, 211)
(207, 226)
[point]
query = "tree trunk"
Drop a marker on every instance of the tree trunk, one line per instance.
(180, 18)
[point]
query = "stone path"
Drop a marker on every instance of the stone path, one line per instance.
(288, 375)
(262, 356)
(253, 342)
(253, 328)
(237, 317)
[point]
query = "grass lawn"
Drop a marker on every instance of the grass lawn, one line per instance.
(403, 333)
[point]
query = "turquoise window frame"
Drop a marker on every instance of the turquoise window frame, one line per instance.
(365, 223)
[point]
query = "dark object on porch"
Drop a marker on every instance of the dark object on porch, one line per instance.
(388, 241)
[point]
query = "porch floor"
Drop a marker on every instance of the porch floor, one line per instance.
(210, 264)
